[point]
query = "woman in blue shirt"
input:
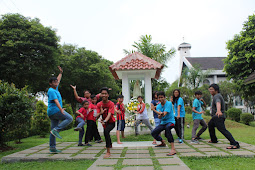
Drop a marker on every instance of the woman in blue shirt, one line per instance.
(179, 114)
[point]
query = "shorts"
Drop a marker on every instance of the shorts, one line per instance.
(157, 121)
(120, 125)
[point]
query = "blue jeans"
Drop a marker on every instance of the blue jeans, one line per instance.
(167, 127)
(81, 124)
(65, 119)
(157, 121)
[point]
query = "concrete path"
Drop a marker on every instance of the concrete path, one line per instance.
(131, 155)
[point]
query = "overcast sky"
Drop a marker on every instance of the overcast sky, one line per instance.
(109, 26)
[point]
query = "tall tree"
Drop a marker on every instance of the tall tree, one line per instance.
(193, 77)
(240, 62)
(155, 51)
(27, 51)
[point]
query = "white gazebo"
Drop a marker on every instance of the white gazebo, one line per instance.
(136, 66)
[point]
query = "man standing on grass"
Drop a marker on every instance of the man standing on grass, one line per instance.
(55, 111)
(218, 118)
(106, 109)
(166, 114)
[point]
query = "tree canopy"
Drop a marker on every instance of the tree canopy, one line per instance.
(240, 62)
(28, 51)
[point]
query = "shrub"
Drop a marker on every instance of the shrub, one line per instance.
(246, 118)
(188, 109)
(15, 112)
(40, 120)
(252, 123)
(207, 113)
(234, 114)
(69, 110)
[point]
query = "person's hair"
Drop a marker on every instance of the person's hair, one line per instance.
(140, 97)
(86, 90)
(120, 97)
(153, 94)
(83, 102)
(92, 96)
(52, 79)
(198, 93)
(175, 99)
(161, 93)
(104, 88)
(216, 87)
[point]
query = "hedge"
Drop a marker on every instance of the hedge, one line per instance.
(246, 118)
(234, 114)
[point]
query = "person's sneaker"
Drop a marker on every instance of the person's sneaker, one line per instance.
(88, 144)
(180, 141)
(99, 141)
(80, 144)
(54, 150)
(177, 139)
(198, 138)
(194, 141)
(77, 129)
(55, 133)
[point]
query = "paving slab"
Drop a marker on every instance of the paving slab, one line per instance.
(138, 168)
(99, 144)
(217, 154)
(113, 155)
(196, 154)
(209, 149)
(90, 151)
(39, 156)
(137, 162)
(70, 151)
(185, 150)
(61, 156)
(162, 155)
(137, 151)
(44, 151)
(202, 146)
(114, 151)
(28, 151)
(76, 148)
(140, 148)
(84, 156)
(170, 161)
(64, 144)
(143, 155)
(162, 151)
(133, 144)
(242, 153)
(182, 146)
(94, 148)
(102, 168)
(105, 161)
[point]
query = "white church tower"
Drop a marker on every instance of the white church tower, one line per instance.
(184, 49)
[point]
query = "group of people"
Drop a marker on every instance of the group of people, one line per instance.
(167, 115)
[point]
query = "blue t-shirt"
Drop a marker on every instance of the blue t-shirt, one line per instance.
(155, 103)
(197, 104)
(169, 117)
(179, 102)
(52, 95)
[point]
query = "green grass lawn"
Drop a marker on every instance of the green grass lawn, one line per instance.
(240, 132)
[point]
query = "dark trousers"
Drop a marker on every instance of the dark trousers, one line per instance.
(108, 128)
(91, 131)
(179, 127)
(219, 123)
(167, 127)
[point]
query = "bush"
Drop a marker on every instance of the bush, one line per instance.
(207, 113)
(246, 118)
(252, 123)
(234, 114)
(188, 109)
(69, 110)
(15, 113)
(40, 120)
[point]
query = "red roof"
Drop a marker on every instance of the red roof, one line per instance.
(136, 61)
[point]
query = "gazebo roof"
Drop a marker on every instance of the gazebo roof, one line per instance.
(136, 61)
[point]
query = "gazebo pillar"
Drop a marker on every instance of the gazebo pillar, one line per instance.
(148, 91)
(125, 88)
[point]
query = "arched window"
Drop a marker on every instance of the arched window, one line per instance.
(206, 81)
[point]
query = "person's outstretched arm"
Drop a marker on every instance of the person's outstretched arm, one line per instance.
(60, 74)
(75, 93)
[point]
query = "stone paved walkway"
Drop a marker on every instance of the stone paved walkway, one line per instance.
(131, 155)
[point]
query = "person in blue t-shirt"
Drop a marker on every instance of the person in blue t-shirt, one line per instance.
(197, 117)
(56, 112)
(166, 114)
(179, 114)
(154, 104)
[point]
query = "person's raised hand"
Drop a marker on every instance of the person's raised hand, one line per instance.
(60, 69)
(74, 87)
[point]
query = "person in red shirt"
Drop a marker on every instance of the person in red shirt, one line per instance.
(92, 130)
(81, 118)
(120, 110)
(105, 109)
